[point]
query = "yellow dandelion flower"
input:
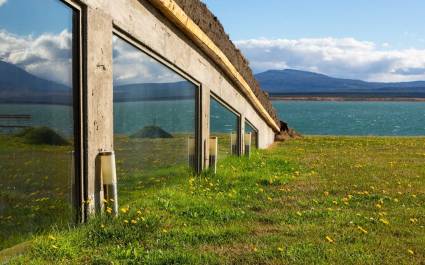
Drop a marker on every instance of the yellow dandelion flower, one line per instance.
(254, 249)
(102, 226)
(269, 198)
(326, 193)
(362, 229)
(329, 239)
(384, 221)
(410, 252)
(379, 206)
(133, 222)
(299, 214)
(139, 212)
(413, 220)
(164, 230)
(124, 210)
(125, 221)
(280, 249)
(109, 210)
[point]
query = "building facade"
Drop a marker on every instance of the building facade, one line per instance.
(139, 79)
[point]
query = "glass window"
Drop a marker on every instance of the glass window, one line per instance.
(251, 138)
(36, 118)
(154, 120)
(224, 126)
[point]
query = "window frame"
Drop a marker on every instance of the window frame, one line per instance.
(79, 109)
(238, 115)
(121, 33)
(255, 129)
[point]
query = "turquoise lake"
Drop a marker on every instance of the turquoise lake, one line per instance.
(307, 117)
(354, 117)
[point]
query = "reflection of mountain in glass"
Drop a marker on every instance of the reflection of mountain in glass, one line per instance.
(19, 86)
(154, 91)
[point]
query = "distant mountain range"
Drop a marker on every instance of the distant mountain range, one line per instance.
(19, 86)
(294, 82)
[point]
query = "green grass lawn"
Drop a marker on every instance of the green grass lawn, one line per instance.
(318, 200)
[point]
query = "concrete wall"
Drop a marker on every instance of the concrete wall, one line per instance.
(147, 27)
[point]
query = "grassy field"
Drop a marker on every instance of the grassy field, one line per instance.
(318, 200)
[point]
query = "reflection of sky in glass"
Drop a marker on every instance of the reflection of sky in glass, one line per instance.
(222, 119)
(147, 71)
(37, 38)
(34, 18)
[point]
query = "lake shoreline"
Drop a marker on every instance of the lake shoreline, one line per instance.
(368, 99)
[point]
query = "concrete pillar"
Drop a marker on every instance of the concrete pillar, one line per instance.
(242, 134)
(205, 126)
(99, 107)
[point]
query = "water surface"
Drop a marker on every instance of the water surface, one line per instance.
(354, 117)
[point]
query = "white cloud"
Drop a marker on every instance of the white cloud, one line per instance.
(2, 2)
(47, 56)
(345, 57)
(133, 66)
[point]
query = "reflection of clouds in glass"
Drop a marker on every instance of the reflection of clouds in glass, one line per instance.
(40, 56)
(131, 66)
(2, 2)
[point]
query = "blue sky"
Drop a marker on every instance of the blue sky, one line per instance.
(399, 23)
(376, 40)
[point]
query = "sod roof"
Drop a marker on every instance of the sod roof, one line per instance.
(212, 27)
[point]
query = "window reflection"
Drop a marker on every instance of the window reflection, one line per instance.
(36, 118)
(154, 120)
(224, 126)
(251, 138)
